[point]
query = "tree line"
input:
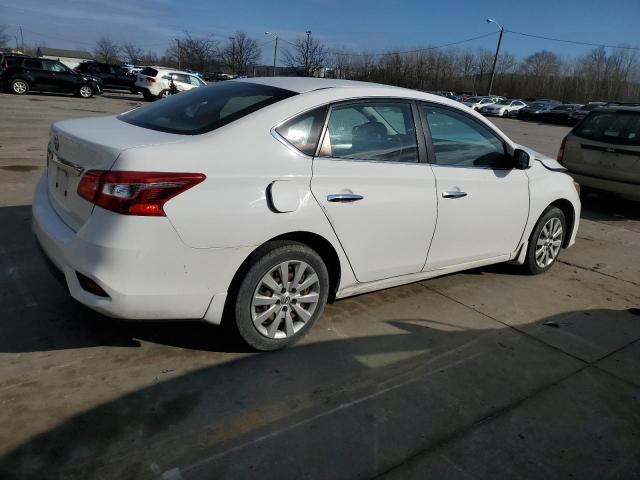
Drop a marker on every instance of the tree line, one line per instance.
(600, 74)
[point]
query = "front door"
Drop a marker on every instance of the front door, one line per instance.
(373, 187)
(483, 203)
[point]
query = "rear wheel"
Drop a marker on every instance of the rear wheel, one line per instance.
(546, 241)
(148, 96)
(85, 91)
(163, 93)
(19, 86)
(281, 296)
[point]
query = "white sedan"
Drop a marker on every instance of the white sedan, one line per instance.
(476, 103)
(257, 201)
(503, 108)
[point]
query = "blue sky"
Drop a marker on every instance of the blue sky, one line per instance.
(342, 24)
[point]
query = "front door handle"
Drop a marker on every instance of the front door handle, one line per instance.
(454, 194)
(344, 197)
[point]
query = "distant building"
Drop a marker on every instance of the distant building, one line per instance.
(71, 58)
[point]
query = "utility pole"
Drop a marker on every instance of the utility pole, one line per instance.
(233, 54)
(495, 59)
(17, 44)
(275, 51)
(307, 64)
(179, 54)
(21, 38)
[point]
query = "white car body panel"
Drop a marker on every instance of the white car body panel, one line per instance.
(181, 266)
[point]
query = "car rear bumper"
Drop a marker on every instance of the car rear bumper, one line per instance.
(140, 262)
(628, 190)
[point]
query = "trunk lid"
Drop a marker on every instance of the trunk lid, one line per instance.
(602, 160)
(76, 146)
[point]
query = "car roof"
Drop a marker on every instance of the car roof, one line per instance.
(309, 84)
(619, 108)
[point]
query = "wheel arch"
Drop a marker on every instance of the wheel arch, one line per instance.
(318, 243)
(569, 214)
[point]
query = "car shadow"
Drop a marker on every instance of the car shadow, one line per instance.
(602, 206)
(225, 420)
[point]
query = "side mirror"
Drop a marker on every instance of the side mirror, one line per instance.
(521, 159)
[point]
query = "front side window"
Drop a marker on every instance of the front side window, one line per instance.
(196, 81)
(371, 131)
(460, 141)
(202, 110)
(304, 130)
(54, 67)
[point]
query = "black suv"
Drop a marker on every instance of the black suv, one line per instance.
(113, 77)
(21, 74)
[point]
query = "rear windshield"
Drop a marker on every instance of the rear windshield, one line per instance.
(204, 109)
(612, 127)
(150, 72)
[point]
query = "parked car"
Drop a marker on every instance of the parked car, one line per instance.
(576, 115)
(478, 102)
(603, 151)
(503, 108)
(114, 77)
(267, 197)
(21, 74)
(535, 110)
(154, 82)
(560, 114)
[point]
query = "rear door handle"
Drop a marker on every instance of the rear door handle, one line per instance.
(344, 197)
(454, 194)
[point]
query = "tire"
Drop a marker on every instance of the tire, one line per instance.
(85, 91)
(19, 86)
(505, 113)
(148, 96)
(541, 258)
(164, 93)
(284, 305)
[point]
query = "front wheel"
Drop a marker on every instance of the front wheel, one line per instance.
(546, 241)
(19, 86)
(282, 294)
(85, 91)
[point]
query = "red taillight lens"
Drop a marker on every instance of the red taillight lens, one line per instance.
(135, 193)
(561, 150)
(151, 80)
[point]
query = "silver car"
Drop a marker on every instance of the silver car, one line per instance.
(603, 151)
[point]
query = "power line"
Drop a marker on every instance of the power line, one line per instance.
(418, 49)
(575, 42)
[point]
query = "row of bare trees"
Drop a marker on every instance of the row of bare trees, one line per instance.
(598, 75)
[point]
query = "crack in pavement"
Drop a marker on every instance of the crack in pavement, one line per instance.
(591, 269)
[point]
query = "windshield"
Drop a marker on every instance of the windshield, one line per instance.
(204, 109)
(564, 107)
(504, 102)
(611, 127)
(537, 105)
(473, 99)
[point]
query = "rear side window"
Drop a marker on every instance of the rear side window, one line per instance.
(204, 109)
(611, 127)
(34, 64)
(148, 71)
(303, 131)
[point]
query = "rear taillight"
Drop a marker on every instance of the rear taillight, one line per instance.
(135, 193)
(561, 150)
(151, 80)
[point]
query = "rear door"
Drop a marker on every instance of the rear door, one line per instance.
(375, 188)
(606, 145)
(43, 80)
(483, 203)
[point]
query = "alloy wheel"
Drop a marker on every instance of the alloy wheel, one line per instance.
(85, 91)
(549, 242)
(285, 299)
(20, 87)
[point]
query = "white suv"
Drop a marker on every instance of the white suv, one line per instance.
(154, 82)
